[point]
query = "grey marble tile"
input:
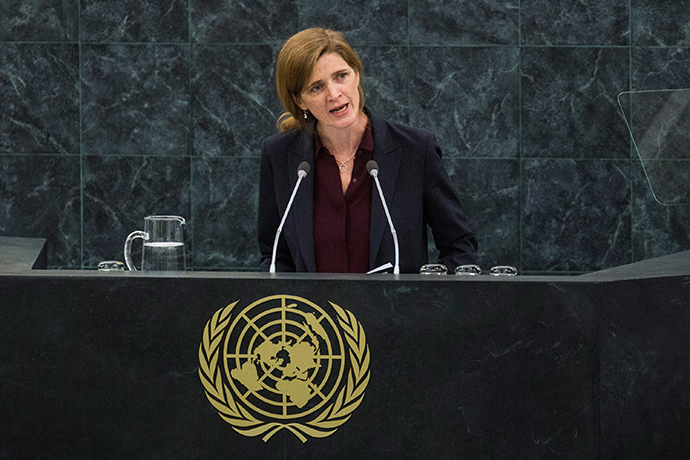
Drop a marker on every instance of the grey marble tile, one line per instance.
(576, 214)
(660, 68)
(135, 100)
(468, 97)
(134, 21)
(569, 105)
(657, 230)
(488, 190)
(562, 22)
(39, 198)
(120, 191)
(39, 20)
(385, 81)
(40, 98)
(230, 21)
(225, 196)
(660, 23)
(363, 22)
(444, 22)
(234, 99)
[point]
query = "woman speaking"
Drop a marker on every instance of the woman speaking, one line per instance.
(337, 223)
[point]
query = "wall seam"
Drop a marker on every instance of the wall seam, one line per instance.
(521, 190)
(630, 146)
(407, 66)
(81, 146)
(190, 138)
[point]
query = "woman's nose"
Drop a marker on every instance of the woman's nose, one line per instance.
(333, 91)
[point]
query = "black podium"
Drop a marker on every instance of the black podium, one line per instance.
(112, 365)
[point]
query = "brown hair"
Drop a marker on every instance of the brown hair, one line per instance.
(295, 64)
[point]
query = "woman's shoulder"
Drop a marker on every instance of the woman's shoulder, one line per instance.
(281, 140)
(297, 140)
(400, 133)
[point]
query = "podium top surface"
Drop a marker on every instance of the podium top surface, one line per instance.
(21, 254)
(677, 264)
(24, 255)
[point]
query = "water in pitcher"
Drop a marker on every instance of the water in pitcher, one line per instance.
(163, 256)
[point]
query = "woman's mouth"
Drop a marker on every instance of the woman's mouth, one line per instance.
(340, 109)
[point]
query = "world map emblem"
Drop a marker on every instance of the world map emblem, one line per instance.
(283, 362)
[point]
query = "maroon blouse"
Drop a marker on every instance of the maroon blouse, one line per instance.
(341, 221)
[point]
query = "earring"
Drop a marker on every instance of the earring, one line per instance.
(306, 114)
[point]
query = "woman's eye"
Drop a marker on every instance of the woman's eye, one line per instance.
(315, 88)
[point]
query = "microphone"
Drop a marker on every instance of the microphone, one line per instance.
(373, 169)
(302, 172)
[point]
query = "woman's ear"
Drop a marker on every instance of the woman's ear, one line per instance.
(298, 100)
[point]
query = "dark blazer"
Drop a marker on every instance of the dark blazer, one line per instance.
(414, 183)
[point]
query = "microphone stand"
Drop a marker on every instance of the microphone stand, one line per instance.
(302, 172)
(373, 169)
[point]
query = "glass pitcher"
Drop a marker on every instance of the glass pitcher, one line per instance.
(163, 244)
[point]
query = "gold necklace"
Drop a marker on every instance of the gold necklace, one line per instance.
(342, 166)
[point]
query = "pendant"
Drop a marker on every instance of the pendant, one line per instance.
(342, 167)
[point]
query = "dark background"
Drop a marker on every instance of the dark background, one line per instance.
(114, 110)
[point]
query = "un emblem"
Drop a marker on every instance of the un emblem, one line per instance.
(284, 363)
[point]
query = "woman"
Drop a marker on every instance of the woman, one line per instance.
(337, 223)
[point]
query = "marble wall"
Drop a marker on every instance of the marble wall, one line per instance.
(116, 109)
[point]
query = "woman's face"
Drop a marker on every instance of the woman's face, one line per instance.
(331, 93)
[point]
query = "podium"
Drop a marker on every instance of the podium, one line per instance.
(107, 365)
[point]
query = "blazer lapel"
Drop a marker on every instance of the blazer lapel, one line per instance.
(301, 218)
(387, 154)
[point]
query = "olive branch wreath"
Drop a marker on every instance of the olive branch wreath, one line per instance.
(242, 421)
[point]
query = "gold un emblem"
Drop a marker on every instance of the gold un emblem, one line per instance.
(282, 363)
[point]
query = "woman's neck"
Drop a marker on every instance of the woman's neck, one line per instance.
(343, 141)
